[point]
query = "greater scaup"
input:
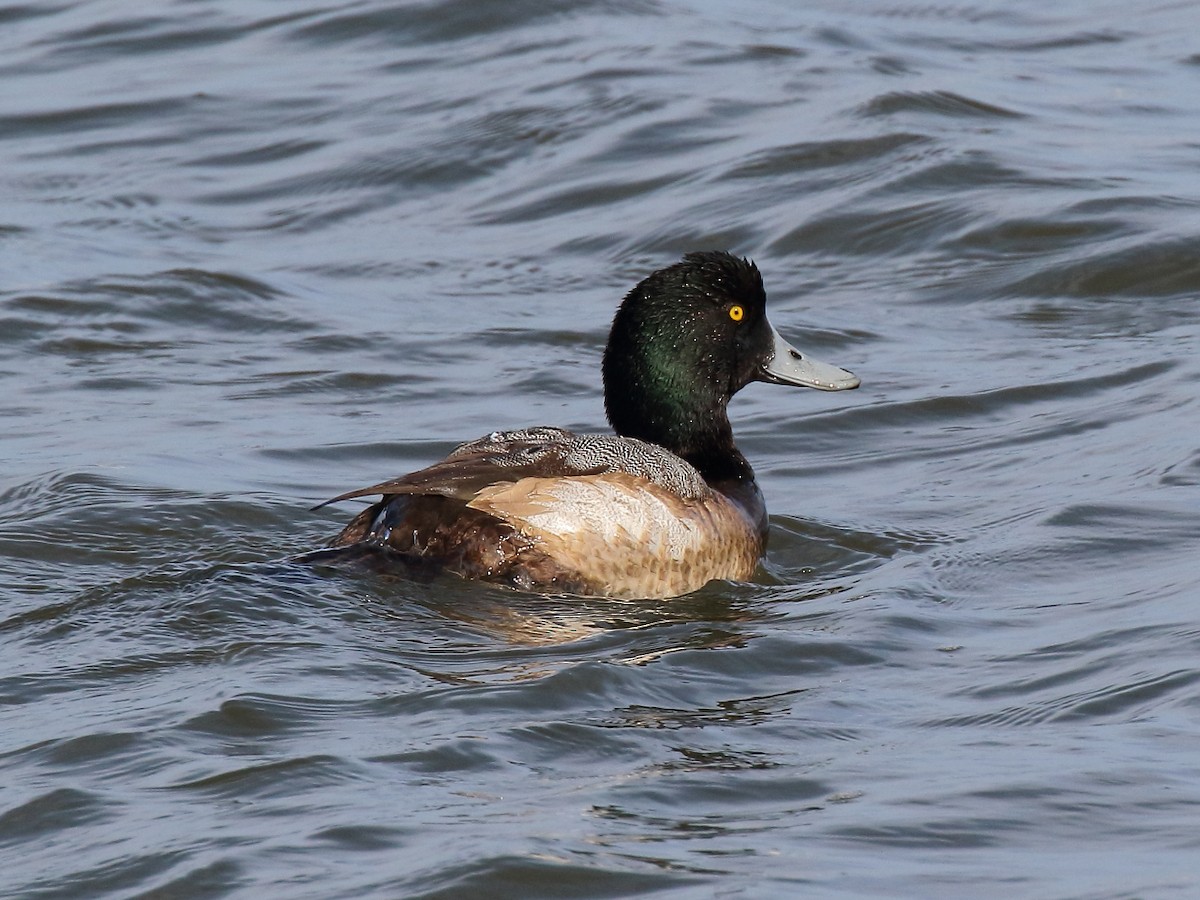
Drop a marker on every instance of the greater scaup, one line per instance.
(659, 509)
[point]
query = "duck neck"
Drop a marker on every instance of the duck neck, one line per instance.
(698, 433)
(713, 453)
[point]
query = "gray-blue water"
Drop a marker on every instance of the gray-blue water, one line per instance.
(254, 254)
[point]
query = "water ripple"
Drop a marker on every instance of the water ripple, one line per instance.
(256, 255)
(941, 103)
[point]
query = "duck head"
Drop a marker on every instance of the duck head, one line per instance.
(684, 341)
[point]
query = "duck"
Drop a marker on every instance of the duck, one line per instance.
(657, 509)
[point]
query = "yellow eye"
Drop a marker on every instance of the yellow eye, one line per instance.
(736, 313)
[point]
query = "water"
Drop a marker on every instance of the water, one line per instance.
(256, 254)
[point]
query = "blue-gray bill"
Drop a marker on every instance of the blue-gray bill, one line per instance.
(788, 365)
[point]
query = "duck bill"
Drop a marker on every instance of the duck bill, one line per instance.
(788, 365)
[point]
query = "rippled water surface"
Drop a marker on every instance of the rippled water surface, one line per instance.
(255, 254)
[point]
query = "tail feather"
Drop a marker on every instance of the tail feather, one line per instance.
(371, 556)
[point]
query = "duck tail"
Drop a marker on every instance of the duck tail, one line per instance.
(338, 556)
(371, 556)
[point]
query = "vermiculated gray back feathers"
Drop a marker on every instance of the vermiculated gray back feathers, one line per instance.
(555, 451)
(543, 452)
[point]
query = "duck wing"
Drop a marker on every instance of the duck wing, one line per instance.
(510, 456)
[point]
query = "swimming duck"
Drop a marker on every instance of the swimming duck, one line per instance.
(659, 509)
